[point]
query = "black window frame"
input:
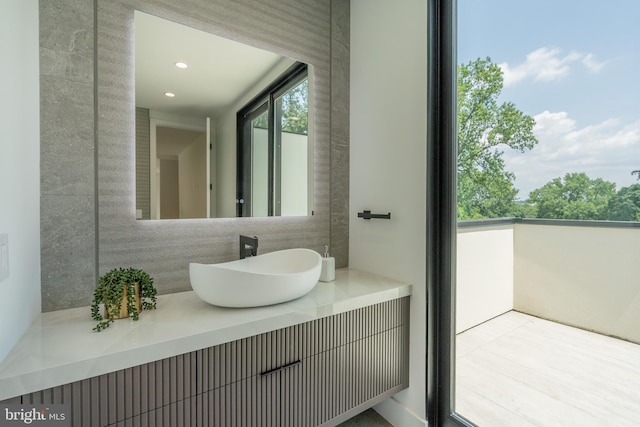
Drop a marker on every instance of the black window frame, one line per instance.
(293, 76)
(441, 220)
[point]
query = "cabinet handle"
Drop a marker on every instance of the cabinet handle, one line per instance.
(292, 364)
(271, 371)
(280, 368)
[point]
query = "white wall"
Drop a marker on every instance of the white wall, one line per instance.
(294, 176)
(484, 274)
(260, 173)
(388, 166)
(19, 168)
(587, 277)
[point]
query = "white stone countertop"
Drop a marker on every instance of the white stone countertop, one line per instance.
(60, 346)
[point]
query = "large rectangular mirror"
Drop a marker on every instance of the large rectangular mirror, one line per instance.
(192, 90)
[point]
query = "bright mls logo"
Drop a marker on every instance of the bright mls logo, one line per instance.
(35, 415)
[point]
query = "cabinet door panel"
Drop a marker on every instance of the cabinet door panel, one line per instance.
(331, 383)
(241, 404)
(269, 396)
(290, 388)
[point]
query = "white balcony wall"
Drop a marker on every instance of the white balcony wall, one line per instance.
(484, 283)
(587, 277)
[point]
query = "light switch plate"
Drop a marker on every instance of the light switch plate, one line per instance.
(4, 256)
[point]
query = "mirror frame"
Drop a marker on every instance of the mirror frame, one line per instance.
(164, 248)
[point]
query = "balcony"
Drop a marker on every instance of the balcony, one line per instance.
(548, 323)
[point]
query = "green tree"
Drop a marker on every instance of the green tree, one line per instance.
(295, 110)
(523, 209)
(576, 196)
(625, 205)
(636, 173)
(485, 187)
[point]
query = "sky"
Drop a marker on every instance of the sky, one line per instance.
(572, 65)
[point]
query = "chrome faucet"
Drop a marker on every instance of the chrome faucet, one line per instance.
(248, 246)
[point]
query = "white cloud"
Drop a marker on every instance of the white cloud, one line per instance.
(547, 64)
(592, 65)
(549, 124)
(608, 150)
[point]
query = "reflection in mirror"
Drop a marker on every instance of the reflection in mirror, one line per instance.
(273, 147)
(180, 173)
(190, 86)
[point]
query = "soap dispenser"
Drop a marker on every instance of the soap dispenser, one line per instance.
(328, 272)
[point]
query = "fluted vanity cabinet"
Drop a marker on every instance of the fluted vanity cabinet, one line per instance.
(319, 372)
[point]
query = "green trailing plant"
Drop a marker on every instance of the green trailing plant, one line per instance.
(111, 290)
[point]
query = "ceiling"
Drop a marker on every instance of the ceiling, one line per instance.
(219, 70)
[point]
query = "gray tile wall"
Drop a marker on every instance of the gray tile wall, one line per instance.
(76, 247)
(340, 35)
(67, 157)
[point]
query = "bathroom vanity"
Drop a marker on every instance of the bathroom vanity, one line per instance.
(317, 360)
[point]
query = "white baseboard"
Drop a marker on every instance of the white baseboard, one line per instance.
(398, 414)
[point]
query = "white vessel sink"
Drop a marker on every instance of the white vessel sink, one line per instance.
(265, 279)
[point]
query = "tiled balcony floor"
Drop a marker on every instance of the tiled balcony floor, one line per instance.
(518, 370)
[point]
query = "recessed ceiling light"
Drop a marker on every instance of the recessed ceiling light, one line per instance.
(170, 94)
(181, 65)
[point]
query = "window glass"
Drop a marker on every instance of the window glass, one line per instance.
(547, 307)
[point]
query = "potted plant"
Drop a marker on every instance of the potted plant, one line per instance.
(124, 293)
